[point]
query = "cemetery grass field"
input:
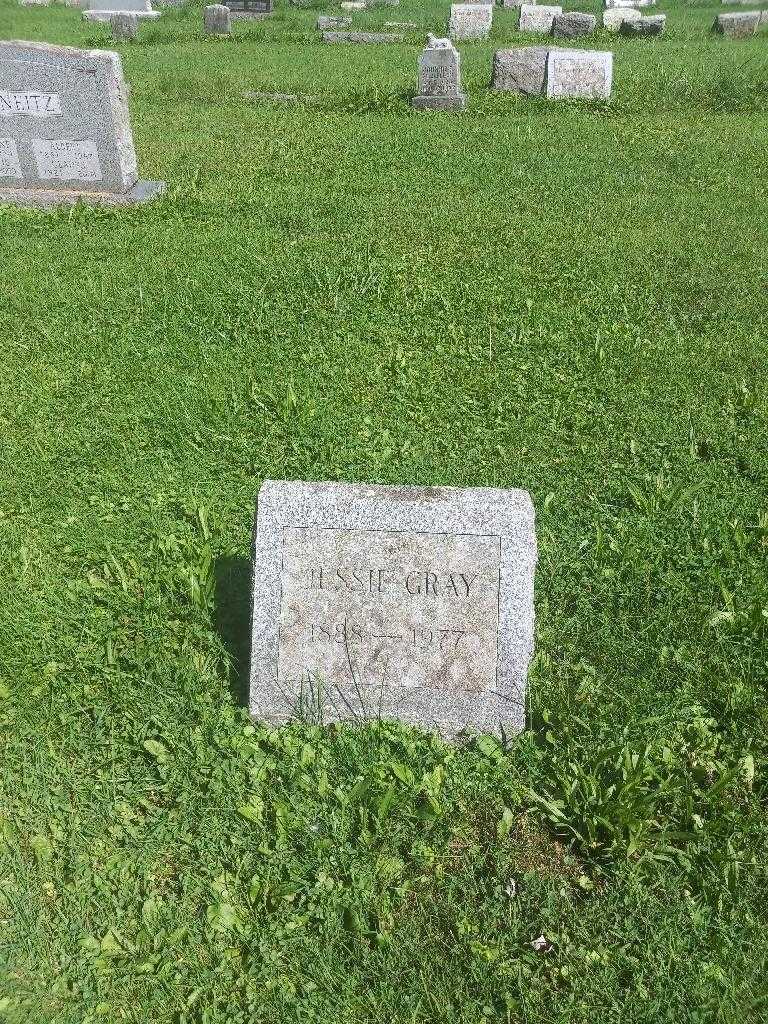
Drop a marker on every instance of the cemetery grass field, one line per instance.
(565, 298)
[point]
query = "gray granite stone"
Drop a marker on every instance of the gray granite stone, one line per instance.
(142, 192)
(610, 4)
(64, 125)
(361, 37)
(537, 18)
(614, 18)
(521, 70)
(573, 24)
(406, 25)
(353, 5)
(739, 25)
(470, 21)
(125, 27)
(439, 77)
(651, 26)
(217, 20)
(243, 9)
(579, 74)
(409, 603)
(512, 3)
(104, 10)
(326, 21)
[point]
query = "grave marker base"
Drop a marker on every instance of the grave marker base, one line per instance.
(142, 192)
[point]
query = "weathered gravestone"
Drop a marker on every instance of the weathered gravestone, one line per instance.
(610, 4)
(401, 24)
(573, 24)
(439, 77)
(651, 26)
(104, 10)
(409, 603)
(614, 18)
(325, 21)
(470, 21)
(579, 74)
(537, 17)
(512, 3)
(125, 27)
(66, 131)
(217, 20)
(361, 37)
(737, 26)
(522, 70)
(353, 5)
(250, 8)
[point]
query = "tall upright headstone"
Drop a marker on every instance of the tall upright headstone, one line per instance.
(439, 77)
(409, 603)
(125, 27)
(538, 17)
(65, 131)
(217, 20)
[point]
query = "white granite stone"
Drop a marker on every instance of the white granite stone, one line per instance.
(361, 37)
(104, 10)
(614, 18)
(64, 127)
(217, 20)
(439, 77)
(470, 21)
(412, 603)
(538, 18)
(739, 25)
(124, 26)
(579, 74)
(326, 21)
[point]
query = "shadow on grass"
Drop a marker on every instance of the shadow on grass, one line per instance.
(231, 619)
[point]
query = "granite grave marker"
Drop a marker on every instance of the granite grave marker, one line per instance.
(470, 21)
(579, 74)
(439, 77)
(217, 20)
(537, 17)
(65, 131)
(412, 603)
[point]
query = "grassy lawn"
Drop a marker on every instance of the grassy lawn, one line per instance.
(565, 298)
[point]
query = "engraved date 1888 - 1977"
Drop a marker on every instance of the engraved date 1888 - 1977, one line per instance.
(416, 637)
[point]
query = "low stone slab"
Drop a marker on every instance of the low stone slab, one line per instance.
(538, 18)
(470, 21)
(217, 20)
(409, 603)
(737, 26)
(362, 37)
(512, 4)
(142, 192)
(408, 25)
(579, 74)
(610, 4)
(105, 10)
(573, 24)
(125, 27)
(614, 18)
(650, 26)
(326, 21)
(353, 5)
(243, 9)
(522, 70)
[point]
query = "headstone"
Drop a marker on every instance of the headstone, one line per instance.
(353, 5)
(610, 4)
(326, 21)
(409, 603)
(361, 37)
(103, 10)
(217, 20)
(614, 18)
(125, 27)
(470, 21)
(573, 24)
(522, 70)
(439, 77)
(651, 26)
(66, 131)
(738, 26)
(409, 25)
(579, 74)
(241, 9)
(537, 17)
(512, 3)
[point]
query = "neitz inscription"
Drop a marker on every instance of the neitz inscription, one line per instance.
(375, 609)
(33, 104)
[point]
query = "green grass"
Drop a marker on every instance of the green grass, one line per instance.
(565, 298)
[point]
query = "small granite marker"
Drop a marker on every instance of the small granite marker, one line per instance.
(66, 128)
(439, 77)
(409, 603)
(104, 10)
(217, 20)
(537, 18)
(244, 9)
(125, 27)
(326, 21)
(738, 26)
(579, 74)
(470, 21)
(361, 37)
(614, 18)
(573, 24)
(650, 26)
(522, 70)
